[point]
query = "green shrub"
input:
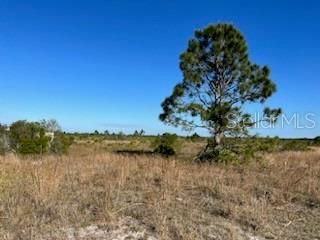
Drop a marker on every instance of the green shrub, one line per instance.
(60, 143)
(295, 145)
(33, 146)
(165, 144)
(32, 138)
(316, 141)
(165, 150)
(244, 150)
(276, 144)
(28, 138)
(231, 154)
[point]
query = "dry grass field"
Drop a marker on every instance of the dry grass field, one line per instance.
(92, 194)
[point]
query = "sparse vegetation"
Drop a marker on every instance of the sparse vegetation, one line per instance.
(59, 197)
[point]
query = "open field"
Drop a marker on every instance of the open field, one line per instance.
(167, 130)
(95, 194)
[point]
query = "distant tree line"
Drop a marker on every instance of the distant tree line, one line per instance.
(41, 137)
(110, 134)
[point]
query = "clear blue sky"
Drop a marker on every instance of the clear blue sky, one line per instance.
(109, 64)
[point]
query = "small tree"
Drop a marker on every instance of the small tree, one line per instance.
(142, 132)
(51, 125)
(137, 133)
(218, 80)
(96, 132)
(195, 137)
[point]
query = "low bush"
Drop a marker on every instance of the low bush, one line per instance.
(60, 143)
(243, 150)
(166, 144)
(231, 154)
(165, 150)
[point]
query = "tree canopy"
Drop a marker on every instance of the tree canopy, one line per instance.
(218, 80)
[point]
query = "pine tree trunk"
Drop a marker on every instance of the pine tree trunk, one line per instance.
(211, 151)
(218, 140)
